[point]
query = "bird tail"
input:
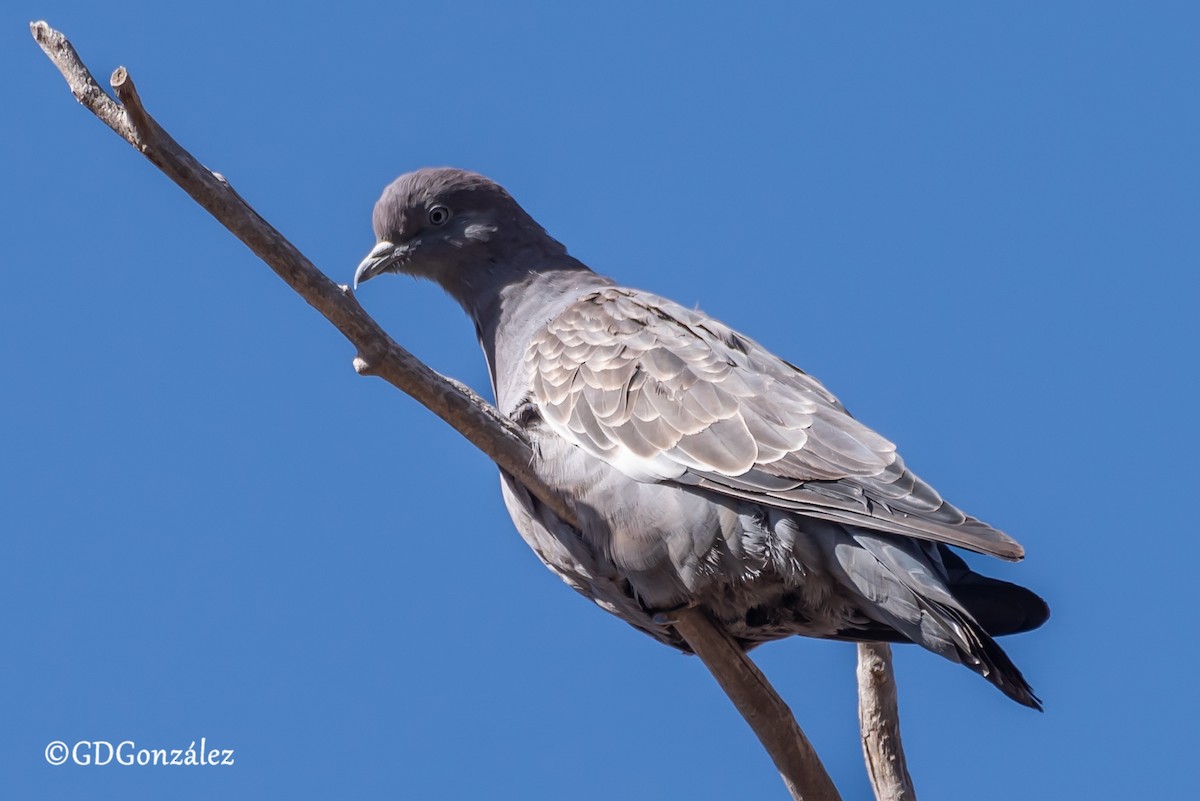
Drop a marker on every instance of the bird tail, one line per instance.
(977, 650)
(916, 592)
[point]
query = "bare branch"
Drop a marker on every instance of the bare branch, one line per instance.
(470, 415)
(760, 705)
(879, 723)
(378, 353)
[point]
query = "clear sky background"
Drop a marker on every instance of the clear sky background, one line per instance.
(977, 226)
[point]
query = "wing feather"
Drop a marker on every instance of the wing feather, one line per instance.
(665, 393)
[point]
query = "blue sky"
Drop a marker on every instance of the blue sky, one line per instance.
(976, 225)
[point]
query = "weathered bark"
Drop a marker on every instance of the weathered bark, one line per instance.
(470, 415)
(879, 723)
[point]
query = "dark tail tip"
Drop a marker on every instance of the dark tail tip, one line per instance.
(998, 606)
(988, 659)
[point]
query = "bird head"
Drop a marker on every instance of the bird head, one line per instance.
(447, 225)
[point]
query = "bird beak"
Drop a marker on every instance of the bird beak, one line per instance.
(379, 260)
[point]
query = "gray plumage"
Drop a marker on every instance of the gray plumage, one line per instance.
(707, 471)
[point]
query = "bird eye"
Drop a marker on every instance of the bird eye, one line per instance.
(438, 215)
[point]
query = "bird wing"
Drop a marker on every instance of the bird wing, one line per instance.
(664, 393)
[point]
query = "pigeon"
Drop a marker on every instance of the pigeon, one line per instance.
(705, 470)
